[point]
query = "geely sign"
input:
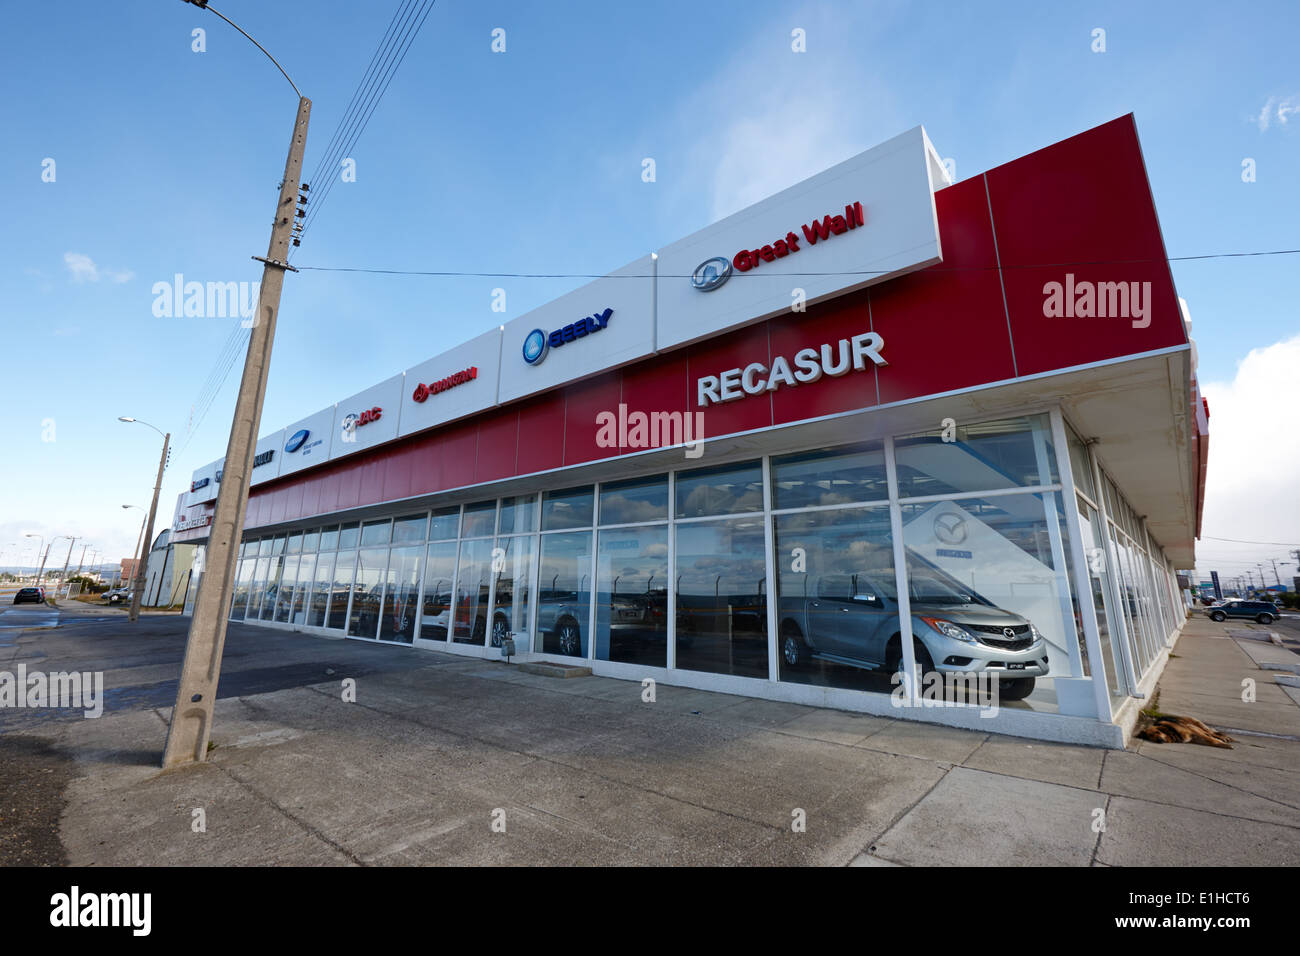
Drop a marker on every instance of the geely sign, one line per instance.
(711, 273)
(295, 441)
(537, 343)
(535, 347)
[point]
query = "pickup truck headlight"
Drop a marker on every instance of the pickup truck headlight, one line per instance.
(1035, 633)
(949, 629)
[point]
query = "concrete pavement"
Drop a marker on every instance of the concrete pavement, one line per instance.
(438, 751)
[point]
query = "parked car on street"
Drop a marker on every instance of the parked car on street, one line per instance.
(30, 596)
(117, 596)
(853, 619)
(1265, 612)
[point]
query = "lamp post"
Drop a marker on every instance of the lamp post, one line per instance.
(137, 591)
(191, 722)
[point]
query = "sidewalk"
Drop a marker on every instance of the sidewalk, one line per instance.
(584, 772)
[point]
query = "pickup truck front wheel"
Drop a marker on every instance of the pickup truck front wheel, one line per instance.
(793, 649)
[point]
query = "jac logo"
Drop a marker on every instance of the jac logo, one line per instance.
(353, 421)
(422, 391)
(201, 483)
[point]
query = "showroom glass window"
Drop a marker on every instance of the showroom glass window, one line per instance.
(564, 592)
(720, 580)
(837, 608)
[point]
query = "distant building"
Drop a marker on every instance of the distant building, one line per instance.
(167, 573)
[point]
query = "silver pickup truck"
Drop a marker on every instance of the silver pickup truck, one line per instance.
(853, 619)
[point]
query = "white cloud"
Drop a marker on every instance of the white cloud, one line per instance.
(84, 269)
(769, 117)
(1279, 110)
(1254, 462)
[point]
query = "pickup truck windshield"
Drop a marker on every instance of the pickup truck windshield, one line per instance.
(929, 589)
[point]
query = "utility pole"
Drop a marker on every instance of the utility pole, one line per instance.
(1276, 576)
(64, 576)
(137, 591)
(191, 722)
(82, 560)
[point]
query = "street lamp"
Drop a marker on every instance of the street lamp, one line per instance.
(137, 591)
(190, 729)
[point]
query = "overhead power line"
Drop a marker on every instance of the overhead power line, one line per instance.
(388, 58)
(755, 273)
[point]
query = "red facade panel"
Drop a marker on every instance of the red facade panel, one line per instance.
(497, 446)
(1080, 213)
(541, 445)
(733, 350)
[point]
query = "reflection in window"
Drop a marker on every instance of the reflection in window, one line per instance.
(473, 581)
(435, 605)
(518, 514)
(730, 489)
(990, 455)
(375, 533)
(480, 519)
(564, 594)
(838, 621)
(632, 595)
(329, 538)
(830, 477)
(243, 580)
(721, 599)
(271, 588)
(409, 530)
(626, 502)
(445, 523)
(363, 621)
(320, 591)
(401, 591)
(511, 593)
(258, 586)
(284, 594)
(301, 593)
(570, 508)
(349, 535)
(341, 590)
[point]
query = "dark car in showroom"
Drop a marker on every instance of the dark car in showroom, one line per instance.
(1265, 612)
(30, 596)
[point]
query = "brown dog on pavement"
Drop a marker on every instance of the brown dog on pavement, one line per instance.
(1171, 729)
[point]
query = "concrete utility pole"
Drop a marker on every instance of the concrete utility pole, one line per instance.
(137, 589)
(64, 576)
(191, 723)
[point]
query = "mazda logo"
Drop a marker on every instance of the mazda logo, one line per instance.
(950, 528)
(711, 273)
(535, 343)
(1009, 631)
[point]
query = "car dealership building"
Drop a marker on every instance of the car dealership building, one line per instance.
(878, 421)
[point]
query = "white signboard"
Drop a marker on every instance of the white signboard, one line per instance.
(868, 219)
(267, 457)
(203, 484)
(457, 383)
(605, 324)
(367, 419)
(307, 442)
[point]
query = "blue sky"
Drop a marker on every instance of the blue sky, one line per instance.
(530, 161)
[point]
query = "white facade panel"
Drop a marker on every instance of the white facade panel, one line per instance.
(307, 442)
(457, 383)
(367, 419)
(806, 239)
(605, 324)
